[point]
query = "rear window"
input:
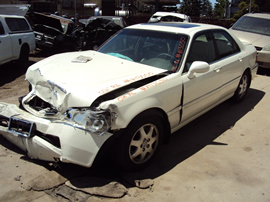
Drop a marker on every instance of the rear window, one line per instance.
(17, 24)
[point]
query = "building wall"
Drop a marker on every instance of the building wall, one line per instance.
(5, 1)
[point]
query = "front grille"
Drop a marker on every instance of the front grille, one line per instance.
(258, 48)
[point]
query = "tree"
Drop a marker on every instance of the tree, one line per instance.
(244, 7)
(191, 7)
(264, 5)
(207, 9)
(220, 9)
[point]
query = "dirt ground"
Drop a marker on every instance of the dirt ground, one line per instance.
(222, 156)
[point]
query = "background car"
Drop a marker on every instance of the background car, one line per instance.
(17, 39)
(143, 84)
(52, 31)
(115, 19)
(254, 28)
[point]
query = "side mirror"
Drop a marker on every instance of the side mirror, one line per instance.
(198, 67)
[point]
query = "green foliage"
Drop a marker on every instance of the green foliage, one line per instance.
(244, 7)
(220, 8)
(191, 7)
(206, 9)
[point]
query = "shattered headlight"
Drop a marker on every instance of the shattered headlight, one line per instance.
(98, 121)
(266, 48)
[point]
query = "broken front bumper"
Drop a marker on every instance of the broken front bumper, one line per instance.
(48, 140)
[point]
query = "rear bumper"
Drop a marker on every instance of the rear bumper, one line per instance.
(51, 140)
(263, 58)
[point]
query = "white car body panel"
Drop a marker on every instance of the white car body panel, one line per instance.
(80, 79)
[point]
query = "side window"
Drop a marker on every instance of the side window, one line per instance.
(17, 24)
(2, 31)
(202, 49)
(225, 44)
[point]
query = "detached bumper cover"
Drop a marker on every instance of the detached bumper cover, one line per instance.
(48, 140)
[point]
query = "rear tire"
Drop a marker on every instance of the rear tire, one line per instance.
(24, 57)
(139, 143)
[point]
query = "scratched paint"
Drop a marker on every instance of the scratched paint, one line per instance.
(143, 88)
(125, 81)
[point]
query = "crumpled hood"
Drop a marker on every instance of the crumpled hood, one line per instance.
(76, 79)
(258, 40)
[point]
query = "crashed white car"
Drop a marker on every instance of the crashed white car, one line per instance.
(146, 82)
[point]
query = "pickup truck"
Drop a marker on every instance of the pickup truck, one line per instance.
(17, 39)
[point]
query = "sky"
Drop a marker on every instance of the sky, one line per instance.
(213, 2)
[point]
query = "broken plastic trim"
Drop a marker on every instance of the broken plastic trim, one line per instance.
(95, 121)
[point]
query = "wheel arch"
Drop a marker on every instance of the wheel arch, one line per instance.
(26, 47)
(157, 112)
(164, 118)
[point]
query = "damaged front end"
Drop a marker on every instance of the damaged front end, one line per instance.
(48, 130)
(75, 138)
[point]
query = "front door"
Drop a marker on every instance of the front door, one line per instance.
(202, 91)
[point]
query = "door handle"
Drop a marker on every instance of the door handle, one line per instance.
(217, 69)
(240, 59)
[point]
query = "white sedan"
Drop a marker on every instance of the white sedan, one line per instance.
(145, 83)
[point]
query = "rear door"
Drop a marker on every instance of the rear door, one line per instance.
(230, 62)
(5, 45)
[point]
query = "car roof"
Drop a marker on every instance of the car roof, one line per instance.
(105, 16)
(179, 15)
(259, 15)
(175, 27)
(11, 16)
(14, 9)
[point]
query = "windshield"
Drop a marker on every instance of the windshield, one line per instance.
(158, 49)
(254, 25)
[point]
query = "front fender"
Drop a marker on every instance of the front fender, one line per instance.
(127, 113)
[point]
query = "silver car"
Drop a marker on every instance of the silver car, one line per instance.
(254, 28)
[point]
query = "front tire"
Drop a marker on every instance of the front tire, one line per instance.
(139, 143)
(242, 88)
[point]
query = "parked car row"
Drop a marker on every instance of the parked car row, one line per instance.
(56, 32)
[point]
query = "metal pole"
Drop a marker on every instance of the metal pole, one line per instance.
(249, 6)
(75, 13)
